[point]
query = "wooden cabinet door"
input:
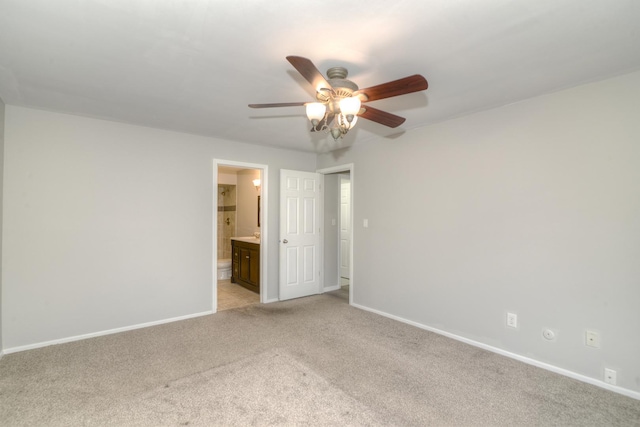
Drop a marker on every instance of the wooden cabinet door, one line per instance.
(254, 267)
(245, 264)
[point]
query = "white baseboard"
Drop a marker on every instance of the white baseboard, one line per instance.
(101, 333)
(527, 360)
(331, 288)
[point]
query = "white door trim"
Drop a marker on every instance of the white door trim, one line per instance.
(264, 211)
(344, 226)
(349, 167)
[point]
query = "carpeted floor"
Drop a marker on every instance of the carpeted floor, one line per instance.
(310, 361)
(258, 390)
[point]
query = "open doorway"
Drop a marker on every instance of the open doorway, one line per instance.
(338, 229)
(239, 227)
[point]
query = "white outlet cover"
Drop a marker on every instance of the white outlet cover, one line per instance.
(610, 376)
(592, 339)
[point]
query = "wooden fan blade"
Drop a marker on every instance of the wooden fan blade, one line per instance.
(309, 72)
(382, 117)
(409, 84)
(278, 104)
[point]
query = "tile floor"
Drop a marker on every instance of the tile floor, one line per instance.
(232, 295)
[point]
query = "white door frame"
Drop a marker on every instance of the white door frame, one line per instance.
(344, 181)
(349, 167)
(264, 212)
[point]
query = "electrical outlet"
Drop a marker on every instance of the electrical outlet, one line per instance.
(592, 339)
(609, 376)
(512, 320)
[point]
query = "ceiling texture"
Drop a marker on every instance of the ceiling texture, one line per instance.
(193, 65)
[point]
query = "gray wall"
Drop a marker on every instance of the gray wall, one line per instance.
(532, 208)
(108, 225)
(2, 112)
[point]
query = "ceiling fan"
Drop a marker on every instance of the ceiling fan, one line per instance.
(339, 102)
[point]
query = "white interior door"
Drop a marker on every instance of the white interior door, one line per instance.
(345, 225)
(299, 234)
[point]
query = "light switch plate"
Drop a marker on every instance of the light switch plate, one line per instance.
(512, 320)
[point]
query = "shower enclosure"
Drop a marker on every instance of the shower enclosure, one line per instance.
(226, 219)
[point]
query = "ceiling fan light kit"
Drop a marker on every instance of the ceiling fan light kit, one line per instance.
(339, 101)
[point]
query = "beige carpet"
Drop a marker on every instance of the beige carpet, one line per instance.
(268, 388)
(310, 361)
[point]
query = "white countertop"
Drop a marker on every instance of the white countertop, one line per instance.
(248, 239)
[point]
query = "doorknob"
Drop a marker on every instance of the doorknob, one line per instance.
(285, 241)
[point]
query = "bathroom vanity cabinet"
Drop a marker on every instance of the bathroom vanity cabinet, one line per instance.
(245, 268)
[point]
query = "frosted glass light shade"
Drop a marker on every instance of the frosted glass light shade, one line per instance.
(315, 111)
(350, 106)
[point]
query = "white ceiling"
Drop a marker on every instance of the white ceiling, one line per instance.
(194, 65)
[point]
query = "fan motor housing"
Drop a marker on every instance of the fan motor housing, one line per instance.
(342, 87)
